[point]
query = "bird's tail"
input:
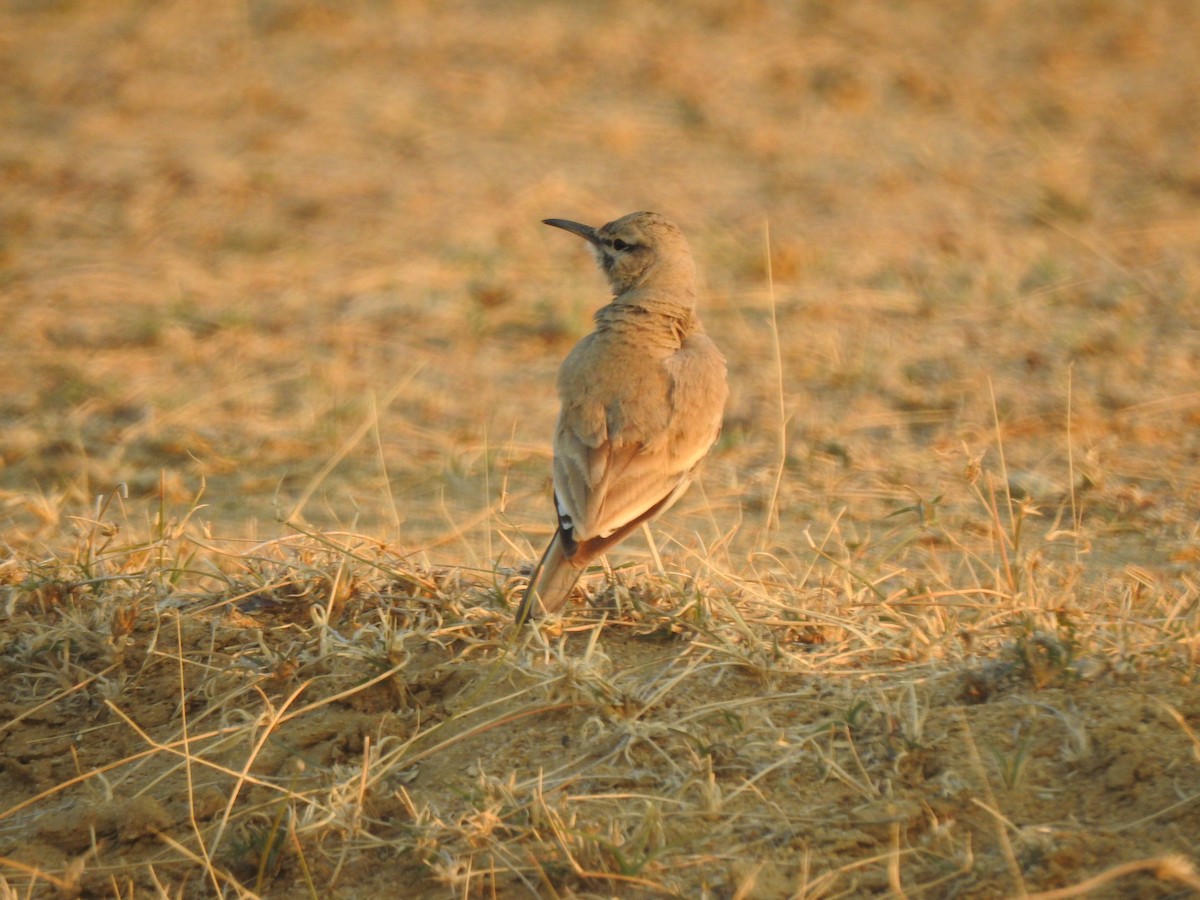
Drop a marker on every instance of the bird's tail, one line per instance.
(551, 582)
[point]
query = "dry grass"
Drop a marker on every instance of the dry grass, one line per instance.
(929, 623)
(294, 717)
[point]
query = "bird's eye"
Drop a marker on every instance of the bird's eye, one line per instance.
(619, 244)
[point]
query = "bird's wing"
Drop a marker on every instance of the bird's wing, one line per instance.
(600, 489)
(698, 394)
(603, 488)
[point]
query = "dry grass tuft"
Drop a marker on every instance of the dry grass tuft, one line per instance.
(281, 717)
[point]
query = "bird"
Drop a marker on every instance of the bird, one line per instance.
(641, 399)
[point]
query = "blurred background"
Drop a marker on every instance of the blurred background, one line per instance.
(280, 254)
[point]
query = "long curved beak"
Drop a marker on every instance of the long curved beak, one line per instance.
(587, 232)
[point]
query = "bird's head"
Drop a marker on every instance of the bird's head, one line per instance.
(640, 250)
